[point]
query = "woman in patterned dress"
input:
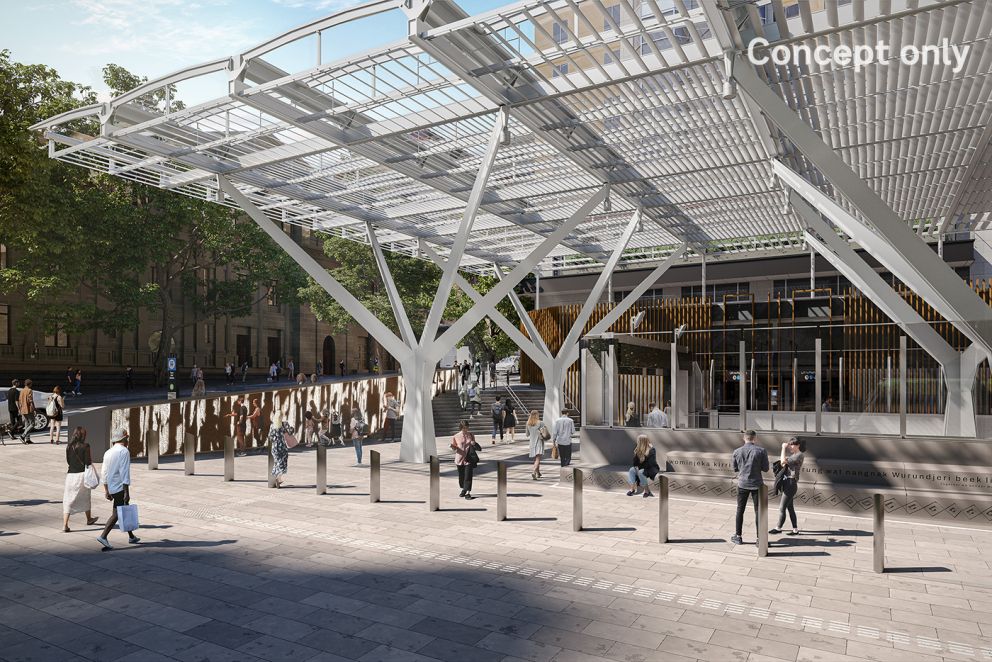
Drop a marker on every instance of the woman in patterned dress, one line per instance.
(280, 451)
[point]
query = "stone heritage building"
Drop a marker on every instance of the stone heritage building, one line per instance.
(273, 331)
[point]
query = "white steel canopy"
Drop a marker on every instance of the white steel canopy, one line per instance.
(629, 93)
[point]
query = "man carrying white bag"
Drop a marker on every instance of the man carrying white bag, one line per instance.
(116, 486)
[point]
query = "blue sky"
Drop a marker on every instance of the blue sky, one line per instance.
(155, 37)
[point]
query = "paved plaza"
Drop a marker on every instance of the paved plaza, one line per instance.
(237, 571)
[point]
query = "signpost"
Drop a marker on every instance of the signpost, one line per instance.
(171, 367)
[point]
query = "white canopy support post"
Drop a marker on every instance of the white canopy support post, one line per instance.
(949, 294)
(822, 238)
(399, 312)
(465, 228)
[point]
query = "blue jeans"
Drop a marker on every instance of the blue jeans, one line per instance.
(357, 442)
(634, 473)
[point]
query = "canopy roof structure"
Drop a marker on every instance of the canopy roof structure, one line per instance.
(630, 93)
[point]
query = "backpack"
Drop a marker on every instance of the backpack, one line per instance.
(362, 428)
(497, 410)
(52, 409)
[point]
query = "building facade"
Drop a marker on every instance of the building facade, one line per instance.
(273, 331)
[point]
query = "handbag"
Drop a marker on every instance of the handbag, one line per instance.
(127, 517)
(554, 451)
(290, 439)
(543, 431)
(91, 479)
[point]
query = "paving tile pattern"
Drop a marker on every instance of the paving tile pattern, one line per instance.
(236, 571)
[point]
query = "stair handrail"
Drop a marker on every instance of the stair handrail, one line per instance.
(517, 402)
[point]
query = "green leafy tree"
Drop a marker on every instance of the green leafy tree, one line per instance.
(416, 281)
(94, 251)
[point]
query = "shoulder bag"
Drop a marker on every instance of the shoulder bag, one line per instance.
(554, 451)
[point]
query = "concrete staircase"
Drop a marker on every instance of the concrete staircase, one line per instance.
(447, 411)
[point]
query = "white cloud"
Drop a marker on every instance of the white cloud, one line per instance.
(175, 30)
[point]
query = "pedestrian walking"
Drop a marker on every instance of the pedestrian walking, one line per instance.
(116, 483)
(392, 411)
(465, 370)
(477, 369)
(474, 399)
(341, 365)
(466, 457)
(561, 437)
(54, 408)
(13, 398)
(536, 432)
(644, 467)
(375, 365)
(25, 407)
(76, 497)
(492, 371)
(462, 397)
(77, 387)
(320, 368)
(510, 420)
(358, 431)
(128, 378)
(199, 389)
(749, 461)
(484, 373)
(787, 482)
(280, 450)
(498, 414)
(333, 434)
(194, 374)
(291, 370)
(70, 379)
(244, 372)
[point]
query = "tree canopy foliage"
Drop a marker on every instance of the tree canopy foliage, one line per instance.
(92, 251)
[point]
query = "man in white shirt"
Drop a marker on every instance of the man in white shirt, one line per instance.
(656, 418)
(116, 482)
(561, 436)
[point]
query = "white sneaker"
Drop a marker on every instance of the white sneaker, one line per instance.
(134, 541)
(106, 543)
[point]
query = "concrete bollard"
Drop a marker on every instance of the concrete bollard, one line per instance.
(271, 481)
(878, 533)
(189, 453)
(763, 521)
(374, 476)
(151, 449)
(662, 508)
(576, 499)
(501, 491)
(435, 484)
(321, 468)
(228, 459)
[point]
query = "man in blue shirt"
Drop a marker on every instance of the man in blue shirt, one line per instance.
(749, 461)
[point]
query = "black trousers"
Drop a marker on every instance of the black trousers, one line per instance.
(565, 455)
(742, 497)
(465, 476)
(787, 507)
(498, 425)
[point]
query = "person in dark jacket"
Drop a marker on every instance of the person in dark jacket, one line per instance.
(644, 467)
(749, 461)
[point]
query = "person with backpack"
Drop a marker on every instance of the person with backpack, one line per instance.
(510, 420)
(498, 414)
(56, 403)
(537, 433)
(474, 398)
(466, 457)
(359, 428)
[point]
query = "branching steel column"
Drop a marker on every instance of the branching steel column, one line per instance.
(959, 412)
(475, 314)
(461, 238)
(399, 312)
(382, 333)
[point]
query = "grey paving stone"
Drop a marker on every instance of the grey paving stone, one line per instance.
(223, 634)
(388, 654)
(339, 644)
(277, 650)
(38, 651)
(395, 637)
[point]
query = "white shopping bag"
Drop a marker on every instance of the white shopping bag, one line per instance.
(127, 517)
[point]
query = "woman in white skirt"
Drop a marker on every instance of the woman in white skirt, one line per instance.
(76, 498)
